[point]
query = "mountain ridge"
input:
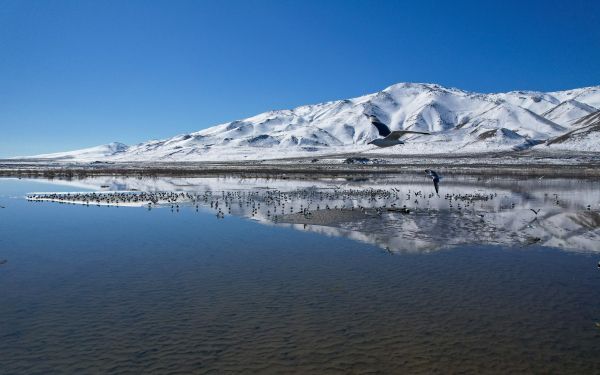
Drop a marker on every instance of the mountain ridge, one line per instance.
(458, 120)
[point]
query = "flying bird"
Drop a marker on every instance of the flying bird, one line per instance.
(534, 211)
(390, 138)
(435, 178)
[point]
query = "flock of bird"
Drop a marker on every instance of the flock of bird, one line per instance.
(275, 204)
(272, 198)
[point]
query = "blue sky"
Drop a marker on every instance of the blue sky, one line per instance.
(79, 73)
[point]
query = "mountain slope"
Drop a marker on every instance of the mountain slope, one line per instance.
(568, 112)
(459, 121)
(586, 136)
(92, 153)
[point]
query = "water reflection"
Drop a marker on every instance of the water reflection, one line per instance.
(398, 214)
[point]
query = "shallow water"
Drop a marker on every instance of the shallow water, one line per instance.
(121, 289)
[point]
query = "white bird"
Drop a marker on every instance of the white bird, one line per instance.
(391, 138)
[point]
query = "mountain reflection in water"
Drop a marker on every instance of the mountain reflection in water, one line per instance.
(398, 214)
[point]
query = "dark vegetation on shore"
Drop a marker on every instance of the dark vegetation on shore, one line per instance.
(297, 171)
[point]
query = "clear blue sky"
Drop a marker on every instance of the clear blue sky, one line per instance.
(80, 73)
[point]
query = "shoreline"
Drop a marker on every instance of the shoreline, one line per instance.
(524, 164)
(322, 171)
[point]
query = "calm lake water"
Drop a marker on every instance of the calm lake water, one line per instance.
(384, 277)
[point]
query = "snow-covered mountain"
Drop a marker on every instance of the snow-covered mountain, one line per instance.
(459, 121)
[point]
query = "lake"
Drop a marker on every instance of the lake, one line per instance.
(365, 275)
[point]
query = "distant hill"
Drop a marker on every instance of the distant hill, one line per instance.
(459, 121)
